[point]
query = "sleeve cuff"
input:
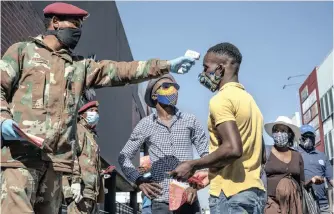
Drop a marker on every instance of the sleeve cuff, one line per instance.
(164, 66)
(76, 179)
(5, 114)
(134, 177)
(223, 121)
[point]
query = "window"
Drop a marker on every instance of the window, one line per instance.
(327, 125)
(315, 122)
(309, 101)
(317, 136)
(326, 104)
(307, 117)
(304, 94)
(314, 110)
(329, 140)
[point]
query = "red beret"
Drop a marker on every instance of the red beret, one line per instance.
(88, 105)
(64, 9)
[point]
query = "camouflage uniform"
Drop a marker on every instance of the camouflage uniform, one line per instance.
(90, 167)
(28, 190)
(40, 90)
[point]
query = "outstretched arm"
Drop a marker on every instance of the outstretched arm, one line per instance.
(107, 73)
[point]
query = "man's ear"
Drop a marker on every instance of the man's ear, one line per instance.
(55, 22)
(154, 97)
(221, 69)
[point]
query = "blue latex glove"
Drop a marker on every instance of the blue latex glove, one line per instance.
(8, 132)
(184, 62)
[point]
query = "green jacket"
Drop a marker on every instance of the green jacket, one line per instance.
(40, 90)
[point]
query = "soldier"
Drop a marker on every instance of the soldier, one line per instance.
(41, 84)
(89, 162)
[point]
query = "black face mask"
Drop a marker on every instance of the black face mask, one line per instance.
(69, 37)
(307, 142)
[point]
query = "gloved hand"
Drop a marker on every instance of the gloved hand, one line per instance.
(183, 62)
(7, 130)
(76, 191)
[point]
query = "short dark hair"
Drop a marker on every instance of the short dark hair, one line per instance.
(47, 22)
(228, 49)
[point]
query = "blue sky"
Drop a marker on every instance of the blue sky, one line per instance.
(276, 39)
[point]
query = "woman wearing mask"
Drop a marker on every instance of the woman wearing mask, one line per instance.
(284, 169)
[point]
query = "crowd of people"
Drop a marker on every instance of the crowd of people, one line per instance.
(45, 90)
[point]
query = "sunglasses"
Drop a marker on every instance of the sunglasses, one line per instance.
(166, 85)
(304, 137)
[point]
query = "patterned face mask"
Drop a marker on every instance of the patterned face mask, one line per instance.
(167, 94)
(211, 80)
(281, 139)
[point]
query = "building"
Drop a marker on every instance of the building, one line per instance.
(297, 122)
(326, 96)
(296, 119)
(121, 108)
(310, 107)
(316, 101)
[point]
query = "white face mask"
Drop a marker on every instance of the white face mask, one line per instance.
(92, 118)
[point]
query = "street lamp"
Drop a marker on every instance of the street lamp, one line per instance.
(300, 75)
(288, 85)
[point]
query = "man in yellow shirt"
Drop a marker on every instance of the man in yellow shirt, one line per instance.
(235, 126)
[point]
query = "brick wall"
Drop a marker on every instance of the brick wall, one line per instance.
(19, 20)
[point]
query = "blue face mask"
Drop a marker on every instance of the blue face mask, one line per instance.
(92, 118)
(167, 94)
(167, 99)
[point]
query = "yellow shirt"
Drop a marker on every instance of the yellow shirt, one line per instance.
(233, 103)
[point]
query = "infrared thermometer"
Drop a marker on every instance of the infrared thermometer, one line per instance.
(191, 54)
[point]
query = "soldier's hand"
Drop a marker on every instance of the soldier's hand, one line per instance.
(182, 62)
(7, 131)
(76, 191)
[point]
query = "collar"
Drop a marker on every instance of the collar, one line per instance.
(178, 114)
(63, 53)
(314, 151)
(85, 124)
(232, 84)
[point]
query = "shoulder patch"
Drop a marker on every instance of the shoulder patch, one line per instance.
(321, 162)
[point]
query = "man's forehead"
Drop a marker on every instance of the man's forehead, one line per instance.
(215, 58)
(212, 58)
